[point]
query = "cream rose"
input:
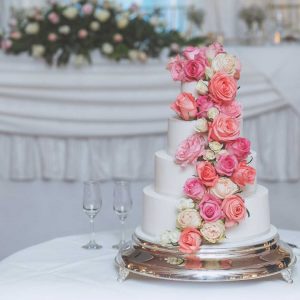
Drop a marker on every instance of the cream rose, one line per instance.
(215, 146)
(65, 29)
(188, 218)
(133, 54)
(202, 87)
(37, 50)
(94, 26)
(224, 187)
(107, 48)
(209, 155)
(169, 237)
(70, 12)
(209, 73)
(80, 60)
(201, 125)
(142, 56)
(226, 63)
(186, 204)
(212, 113)
(213, 232)
(122, 22)
(102, 15)
(32, 28)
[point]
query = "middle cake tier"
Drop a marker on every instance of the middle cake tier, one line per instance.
(170, 177)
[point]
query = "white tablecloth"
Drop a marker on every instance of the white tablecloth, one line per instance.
(61, 270)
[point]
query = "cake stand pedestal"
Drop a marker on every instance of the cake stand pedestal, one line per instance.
(210, 263)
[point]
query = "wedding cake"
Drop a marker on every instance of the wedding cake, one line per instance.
(205, 189)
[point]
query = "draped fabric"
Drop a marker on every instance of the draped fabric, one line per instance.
(107, 120)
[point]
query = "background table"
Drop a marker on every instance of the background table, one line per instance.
(60, 269)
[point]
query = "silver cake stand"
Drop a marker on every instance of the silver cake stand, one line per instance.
(210, 264)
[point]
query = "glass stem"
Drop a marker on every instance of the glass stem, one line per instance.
(92, 229)
(122, 221)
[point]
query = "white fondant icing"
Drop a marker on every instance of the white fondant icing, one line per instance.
(160, 212)
(170, 177)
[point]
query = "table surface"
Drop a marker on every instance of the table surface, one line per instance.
(61, 269)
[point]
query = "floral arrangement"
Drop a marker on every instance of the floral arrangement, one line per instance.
(213, 201)
(57, 32)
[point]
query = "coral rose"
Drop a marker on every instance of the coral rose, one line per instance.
(244, 174)
(226, 164)
(185, 106)
(213, 232)
(222, 88)
(210, 208)
(239, 147)
(193, 262)
(175, 66)
(189, 240)
(224, 187)
(188, 218)
(207, 173)
(190, 149)
(194, 70)
(233, 110)
(194, 189)
(234, 210)
(224, 129)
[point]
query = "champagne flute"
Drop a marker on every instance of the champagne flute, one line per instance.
(92, 202)
(122, 205)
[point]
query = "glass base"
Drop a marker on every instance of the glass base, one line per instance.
(119, 246)
(91, 245)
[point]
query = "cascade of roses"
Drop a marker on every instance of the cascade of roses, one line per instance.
(213, 200)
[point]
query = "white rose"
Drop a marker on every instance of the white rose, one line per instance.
(201, 125)
(133, 54)
(202, 87)
(215, 146)
(122, 22)
(65, 29)
(188, 218)
(70, 12)
(225, 62)
(209, 73)
(224, 187)
(80, 60)
(212, 113)
(37, 50)
(107, 48)
(169, 237)
(102, 15)
(209, 155)
(142, 56)
(213, 232)
(32, 28)
(185, 204)
(174, 236)
(95, 26)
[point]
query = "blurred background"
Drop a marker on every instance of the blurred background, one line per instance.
(84, 94)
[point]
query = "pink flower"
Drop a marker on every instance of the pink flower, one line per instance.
(16, 35)
(118, 38)
(204, 104)
(82, 33)
(244, 174)
(234, 210)
(213, 50)
(53, 18)
(191, 52)
(190, 149)
(222, 88)
(193, 262)
(194, 70)
(87, 9)
(226, 164)
(175, 66)
(189, 240)
(233, 110)
(185, 106)
(194, 189)
(207, 173)
(224, 129)
(239, 147)
(210, 208)
(52, 37)
(6, 44)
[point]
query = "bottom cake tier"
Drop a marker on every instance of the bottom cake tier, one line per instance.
(160, 212)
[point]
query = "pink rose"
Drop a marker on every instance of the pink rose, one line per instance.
(233, 110)
(6, 44)
(175, 66)
(190, 149)
(52, 37)
(191, 52)
(53, 18)
(226, 164)
(194, 189)
(15, 35)
(222, 88)
(82, 33)
(244, 174)
(210, 208)
(239, 147)
(117, 37)
(189, 240)
(194, 70)
(204, 104)
(87, 9)
(224, 129)
(185, 106)
(234, 210)
(207, 173)
(213, 50)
